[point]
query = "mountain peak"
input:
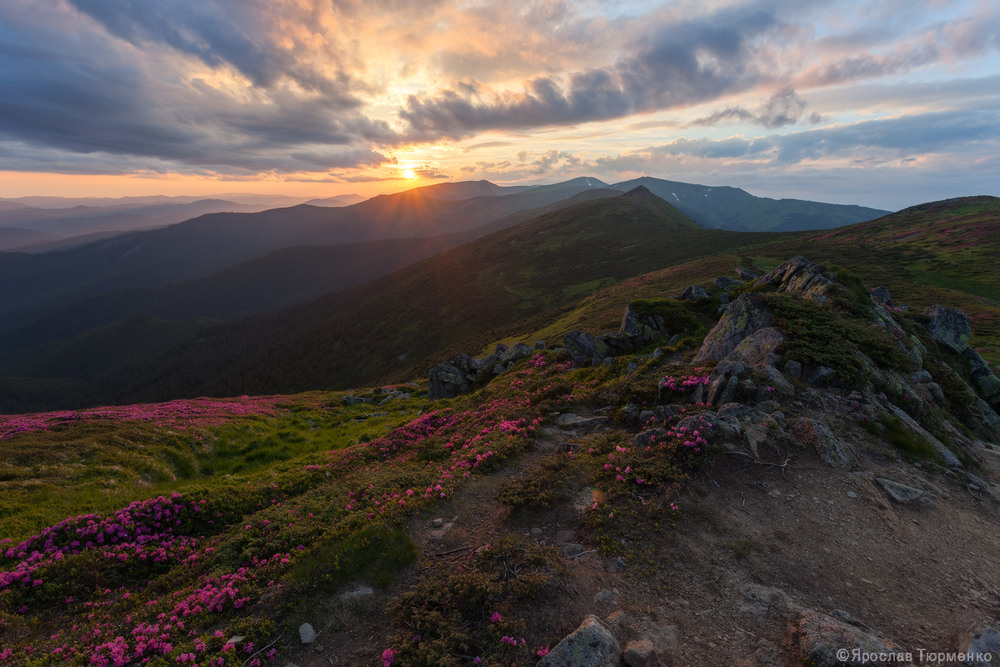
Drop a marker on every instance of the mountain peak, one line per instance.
(641, 192)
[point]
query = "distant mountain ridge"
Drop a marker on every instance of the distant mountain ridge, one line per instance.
(735, 209)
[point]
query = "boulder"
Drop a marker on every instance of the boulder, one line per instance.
(949, 327)
(949, 458)
(982, 644)
(695, 293)
(581, 347)
(725, 282)
(515, 353)
(834, 452)
(799, 275)
(881, 294)
(820, 637)
(748, 424)
(906, 495)
(447, 380)
(307, 635)
(745, 275)
(821, 375)
(744, 316)
(590, 645)
(760, 348)
(983, 377)
(776, 381)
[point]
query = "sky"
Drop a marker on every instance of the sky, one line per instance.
(885, 103)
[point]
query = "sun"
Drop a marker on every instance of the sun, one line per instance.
(409, 174)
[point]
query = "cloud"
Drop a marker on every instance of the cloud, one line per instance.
(682, 62)
(785, 107)
(180, 85)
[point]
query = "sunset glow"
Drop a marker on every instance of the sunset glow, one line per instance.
(883, 103)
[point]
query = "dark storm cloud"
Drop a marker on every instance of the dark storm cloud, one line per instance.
(684, 62)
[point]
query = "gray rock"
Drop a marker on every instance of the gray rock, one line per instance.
(831, 449)
(983, 377)
(793, 369)
(539, 344)
(572, 550)
(750, 425)
(564, 536)
(979, 641)
(361, 590)
(950, 459)
(760, 348)
(515, 353)
(744, 274)
(820, 375)
(744, 316)
(603, 595)
(725, 282)
(581, 346)
(354, 400)
(639, 653)
(774, 379)
(820, 637)
(447, 380)
(881, 294)
(657, 354)
(948, 327)
(590, 645)
(306, 634)
(799, 275)
(906, 495)
(695, 293)
(651, 437)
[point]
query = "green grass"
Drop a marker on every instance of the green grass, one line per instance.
(101, 466)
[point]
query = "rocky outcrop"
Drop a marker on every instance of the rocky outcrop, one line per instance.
(800, 276)
(948, 327)
(984, 378)
(464, 373)
(818, 436)
(822, 639)
(695, 293)
(982, 643)
(590, 645)
(744, 316)
(760, 348)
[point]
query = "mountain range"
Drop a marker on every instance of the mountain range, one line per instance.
(246, 276)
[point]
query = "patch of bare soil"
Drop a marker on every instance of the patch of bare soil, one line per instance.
(755, 545)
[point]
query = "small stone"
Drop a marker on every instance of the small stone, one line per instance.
(572, 550)
(906, 495)
(851, 494)
(590, 644)
(359, 591)
(603, 595)
(536, 531)
(437, 523)
(564, 536)
(306, 634)
(236, 639)
(639, 653)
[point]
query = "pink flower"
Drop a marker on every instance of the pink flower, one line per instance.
(496, 617)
